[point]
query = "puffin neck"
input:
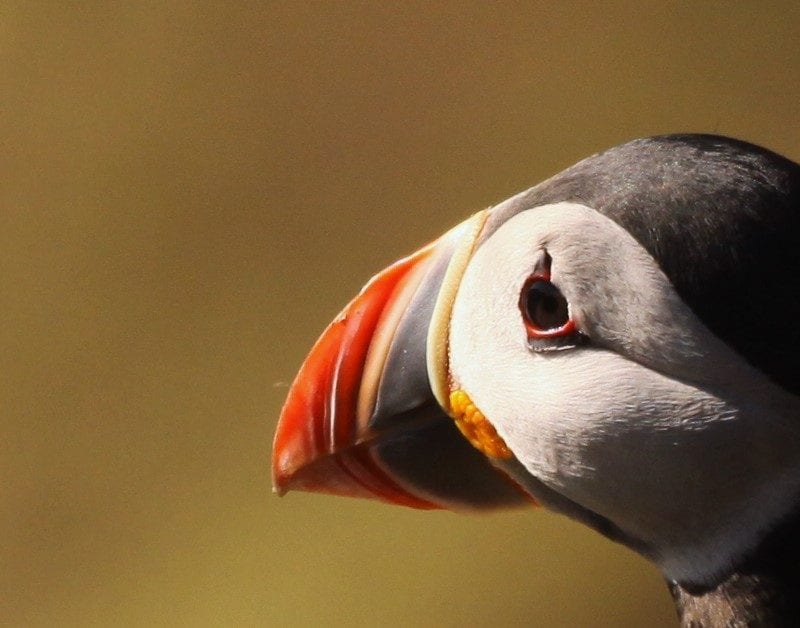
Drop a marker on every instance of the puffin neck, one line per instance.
(764, 590)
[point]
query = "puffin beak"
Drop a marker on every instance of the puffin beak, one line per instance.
(367, 415)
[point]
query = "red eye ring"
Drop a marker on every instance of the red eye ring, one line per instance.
(545, 311)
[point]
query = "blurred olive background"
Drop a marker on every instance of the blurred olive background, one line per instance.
(190, 192)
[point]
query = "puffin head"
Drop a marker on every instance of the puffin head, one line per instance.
(618, 344)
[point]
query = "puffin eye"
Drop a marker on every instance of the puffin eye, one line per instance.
(545, 311)
(545, 308)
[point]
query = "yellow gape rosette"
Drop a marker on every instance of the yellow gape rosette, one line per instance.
(474, 426)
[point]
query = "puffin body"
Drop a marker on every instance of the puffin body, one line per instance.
(619, 344)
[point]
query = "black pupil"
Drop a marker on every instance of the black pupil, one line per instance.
(545, 306)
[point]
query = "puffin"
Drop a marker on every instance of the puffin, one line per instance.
(619, 344)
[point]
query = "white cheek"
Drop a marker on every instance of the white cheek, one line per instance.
(594, 426)
(693, 454)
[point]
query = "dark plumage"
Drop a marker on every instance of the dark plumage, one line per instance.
(763, 590)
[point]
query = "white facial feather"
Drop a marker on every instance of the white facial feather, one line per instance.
(656, 424)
